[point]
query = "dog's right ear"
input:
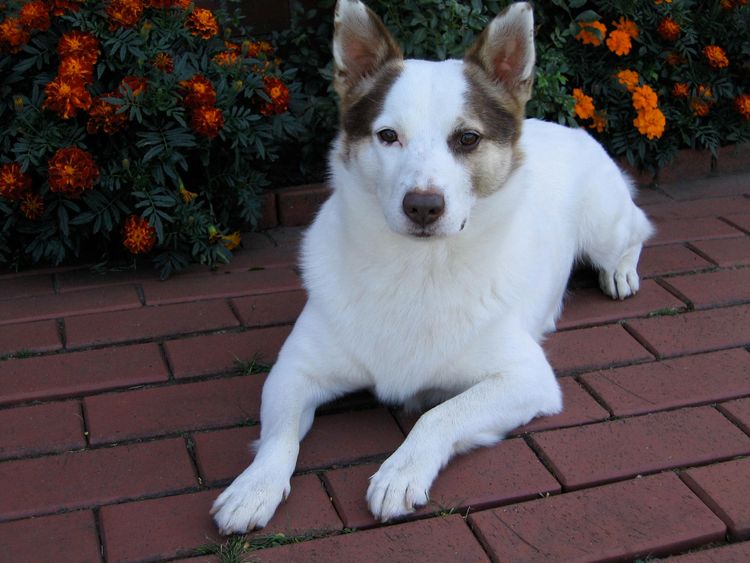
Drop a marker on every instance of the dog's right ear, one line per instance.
(361, 45)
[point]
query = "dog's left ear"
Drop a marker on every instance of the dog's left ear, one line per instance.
(505, 50)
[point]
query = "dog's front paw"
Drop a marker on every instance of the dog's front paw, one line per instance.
(620, 284)
(249, 502)
(400, 486)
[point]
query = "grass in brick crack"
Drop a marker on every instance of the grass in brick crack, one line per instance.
(666, 312)
(235, 549)
(252, 366)
(17, 355)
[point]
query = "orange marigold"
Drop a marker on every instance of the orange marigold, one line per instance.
(163, 4)
(139, 236)
(124, 13)
(72, 171)
(79, 44)
(32, 206)
(226, 58)
(198, 91)
(76, 68)
(628, 78)
(598, 122)
(742, 105)
(103, 116)
(13, 183)
(255, 48)
(619, 42)
(674, 59)
(650, 123)
(66, 97)
(591, 33)
(163, 61)
(279, 94)
(701, 108)
(202, 23)
(668, 29)
(207, 121)
(59, 7)
(584, 106)
(680, 90)
(35, 16)
(13, 35)
(716, 56)
(644, 98)
(628, 26)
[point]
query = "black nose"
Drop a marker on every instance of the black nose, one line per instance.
(423, 208)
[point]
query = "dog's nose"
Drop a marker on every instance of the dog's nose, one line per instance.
(423, 208)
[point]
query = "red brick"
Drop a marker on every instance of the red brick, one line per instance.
(726, 287)
(624, 521)
(501, 474)
(598, 453)
(79, 280)
(222, 285)
(725, 488)
(71, 536)
(716, 186)
(297, 206)
(287, 237)
(733, 158)
(41, 429)
(591, 306)
(334, 439)
(274, 308)
(726, 252)
(591, 348)
(63, 375)
(693, 380)
(701, 331)
(670, 259)
(27, 286)
(41, 336)
(648, 195)
(273, 257)
(177, 525)
(742, 222)
(148, 322)
(739, 412)
(435, 539)
(53, 306)
(217, 353)
(269, 215)
(716, 207)
(688, 164)
(735, 553)
(681, 230)
(174, 408)
(94, 477)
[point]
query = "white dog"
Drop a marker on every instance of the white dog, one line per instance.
(440, 259)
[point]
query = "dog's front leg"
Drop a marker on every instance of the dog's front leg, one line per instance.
(522, 387)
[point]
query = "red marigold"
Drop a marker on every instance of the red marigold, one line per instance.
(588, 37)
(254, 48)
(76, 68)
(124, 13)
(13, 183)
(163, 61)
(198, 91)
(668, 29)
(674, 59)
(35, 16)
(13, 35)
(226, 58)
(72, 171)
(619, 42)
(207, 121)
(32, 206)
(701, 108)
(680, 90)
(279, 94)
(162, 4)
(59, 7)
(139, 236)
(716, 56)
(66, 97)
(202, 23)
(137, 85)
(103, 116)
(742, 105)
(79, 44)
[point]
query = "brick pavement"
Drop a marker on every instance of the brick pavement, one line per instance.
(127, 404)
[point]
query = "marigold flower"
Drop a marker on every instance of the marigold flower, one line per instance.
(716, 56)
(644, 98)
(680, 90)
(232, 241)
(59, 7)
(226, 58)
(584, 106)
(13, 35)
(79, 44)
(76, 68)
(742, 105)
(72, 171)
(279, 94)
(66, 97)
(202, 23)
(32, 206)
(198, 91)
(628, 78)
(163, 61)
(674, 59)
(701, 108)
(657, 2)
(139, 236)
(255, 48)
(207, 121)
(619, 42)
(13, 183)
(137, 85)
(186, 195)
(589, 37)
(103, 116)
(628, 26)
(650, 123)
(162, 4)
(598, 122)
(35, 16)
(124, 13)
(668, 29)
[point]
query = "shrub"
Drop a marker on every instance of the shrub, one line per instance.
(133, 127)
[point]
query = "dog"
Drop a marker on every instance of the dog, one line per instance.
(440, 260)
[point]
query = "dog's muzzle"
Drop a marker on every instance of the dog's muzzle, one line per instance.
(423, 208)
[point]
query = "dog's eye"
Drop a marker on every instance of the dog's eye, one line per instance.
(469, 138)
(388, 136)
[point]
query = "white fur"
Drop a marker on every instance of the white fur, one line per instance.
(459, 315)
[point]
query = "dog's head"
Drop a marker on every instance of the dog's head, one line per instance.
(431, 138)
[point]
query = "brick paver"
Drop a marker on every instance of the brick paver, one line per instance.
(26, 286)
(735, 553)
(270, 309)
(670, 259)
(742, 222)
(726, 252)
(715, 207)
(39, 429)
(739, 412)
(680, 230)
(40, 336)
(714, 289)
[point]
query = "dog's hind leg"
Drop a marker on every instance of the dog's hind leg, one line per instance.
(523, 387)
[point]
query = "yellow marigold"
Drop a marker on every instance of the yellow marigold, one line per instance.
(66, 97)
(124, 13)
(628, 26)
(72, 171)
(598, 122)
(742, 105)
(644, 98)
(202, 23)
(13, 183)
(207, 121)
(584, 106)
(716, 56)
(232, 240)
(186, 195)
(650, 123)
(32, 206)
(13, 35)
(619, 42)
(589, 37)
(79, 44)
(163, 61)
(72, 68)
(680, 90)
(628, 78)
(35, 16)
(139, 236)
(668, 29)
